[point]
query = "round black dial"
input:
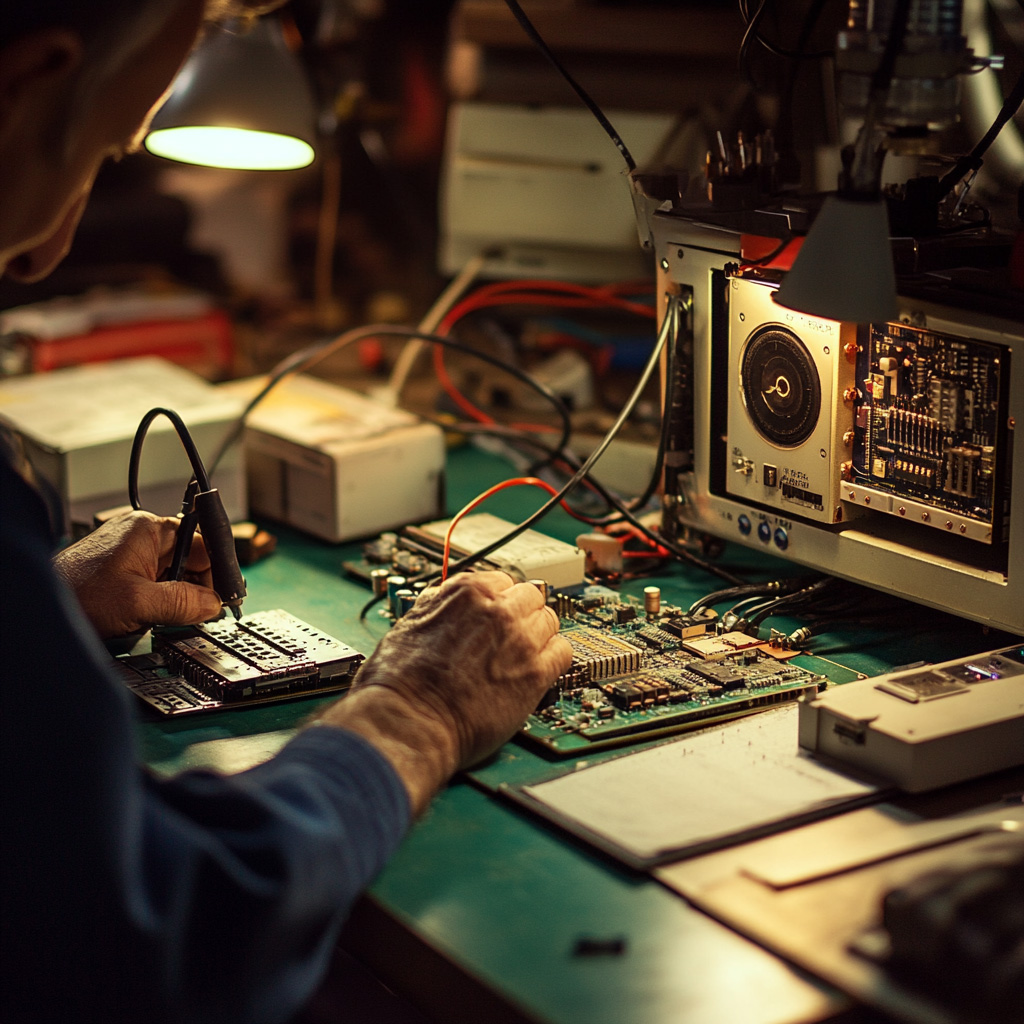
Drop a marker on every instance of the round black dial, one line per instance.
(780, 386)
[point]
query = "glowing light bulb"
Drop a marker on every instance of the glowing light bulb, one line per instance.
(233, 148)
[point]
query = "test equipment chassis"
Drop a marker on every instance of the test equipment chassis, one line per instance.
(882, 453)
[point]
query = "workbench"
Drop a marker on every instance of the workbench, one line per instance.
(488, 914)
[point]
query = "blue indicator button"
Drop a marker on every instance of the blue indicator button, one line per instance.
(781, 538)
(744, 524)
(764, 532)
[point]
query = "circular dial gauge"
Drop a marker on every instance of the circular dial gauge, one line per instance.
(780, 386)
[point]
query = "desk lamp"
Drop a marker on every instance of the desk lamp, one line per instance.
(242, 101)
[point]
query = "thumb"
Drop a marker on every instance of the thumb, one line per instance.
(177, 603)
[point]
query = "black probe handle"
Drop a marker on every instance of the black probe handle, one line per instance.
(182, 545)
(220, 546)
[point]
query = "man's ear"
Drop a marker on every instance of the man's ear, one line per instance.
(33, 71)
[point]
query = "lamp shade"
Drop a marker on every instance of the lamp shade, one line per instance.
(242, 101)
(844, 268)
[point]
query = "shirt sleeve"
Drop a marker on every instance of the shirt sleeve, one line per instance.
(199, 898)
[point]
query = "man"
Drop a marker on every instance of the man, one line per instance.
(204, 897)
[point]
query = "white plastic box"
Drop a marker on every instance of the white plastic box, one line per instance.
(336, 464)
(77, 426)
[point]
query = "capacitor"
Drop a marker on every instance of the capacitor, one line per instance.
(652, 601)
(395, 584)
(379, 581)
(542, 586)
(405, 599)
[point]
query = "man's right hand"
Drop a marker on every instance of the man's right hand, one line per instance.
(454, 678)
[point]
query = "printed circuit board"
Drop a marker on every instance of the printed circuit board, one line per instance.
(931, 428)
(263, 657)
(636, 676)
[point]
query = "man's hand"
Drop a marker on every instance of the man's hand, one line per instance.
(455, 678)
(115, 573)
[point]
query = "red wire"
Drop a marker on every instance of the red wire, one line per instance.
(532, 481)
(606, 295)
(507, 293)
(452, 391)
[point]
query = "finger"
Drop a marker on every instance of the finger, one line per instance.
(542, 621)
(198, 560)
(523, 598)
(491, 581)
(177, 603)
(557, 622)
(163, 531)
(202, 577)
(555, 657)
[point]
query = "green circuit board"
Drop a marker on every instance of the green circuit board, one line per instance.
(637, 677)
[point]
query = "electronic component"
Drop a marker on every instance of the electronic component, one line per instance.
(263, 657)
(598, 655)
(634, 676)
(786, 412)
(640, 668)
(931, 431)
(531, 555)
(882, 453)
(417, 549)
(925, 727)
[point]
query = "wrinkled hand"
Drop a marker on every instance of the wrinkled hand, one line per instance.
(455, 677)
(115, 574)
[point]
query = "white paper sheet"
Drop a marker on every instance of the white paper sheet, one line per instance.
(691, 794)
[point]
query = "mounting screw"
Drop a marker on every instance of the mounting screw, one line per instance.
(851, 395)
(925, 517)
(664, 264)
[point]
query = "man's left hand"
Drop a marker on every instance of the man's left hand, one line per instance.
(115, 574)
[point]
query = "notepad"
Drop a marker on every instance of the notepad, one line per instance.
(707, 790)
